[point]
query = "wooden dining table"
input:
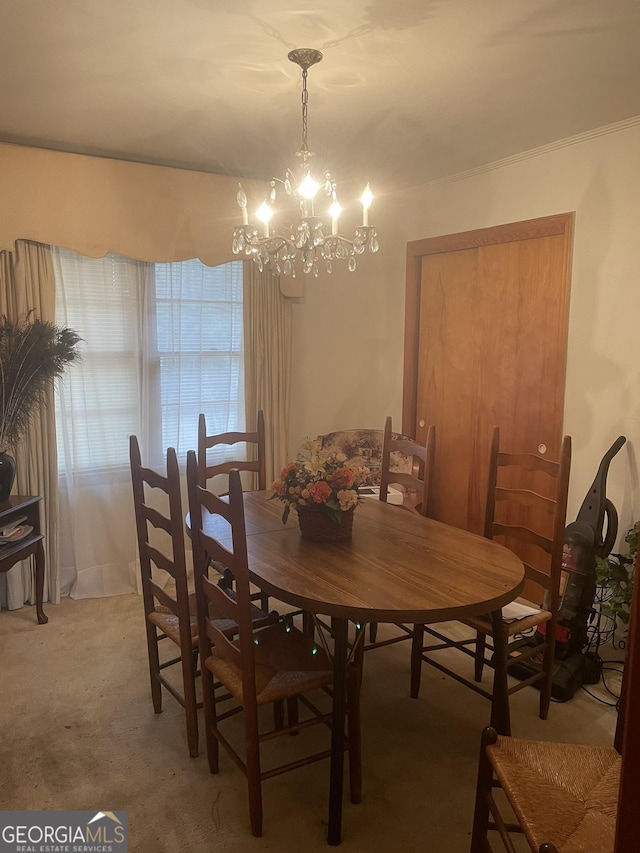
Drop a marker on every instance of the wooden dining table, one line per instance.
(397, 567)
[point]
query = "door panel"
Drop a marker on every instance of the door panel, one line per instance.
(485, 344)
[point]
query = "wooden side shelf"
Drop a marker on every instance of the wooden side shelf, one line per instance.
(15, 507)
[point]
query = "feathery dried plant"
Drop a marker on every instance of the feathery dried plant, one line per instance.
(33, 353)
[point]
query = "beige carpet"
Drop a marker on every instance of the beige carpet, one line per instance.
(79, 732)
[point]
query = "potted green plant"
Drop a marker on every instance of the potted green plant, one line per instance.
(33, 353)
(615, 576)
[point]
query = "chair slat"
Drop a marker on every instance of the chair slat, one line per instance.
(523, 535)
(157, 519)
(525, 497)
(529, 462)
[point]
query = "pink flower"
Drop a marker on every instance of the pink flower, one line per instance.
(278, 487)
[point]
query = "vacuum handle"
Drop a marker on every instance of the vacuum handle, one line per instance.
(603, 547)
(594, 506)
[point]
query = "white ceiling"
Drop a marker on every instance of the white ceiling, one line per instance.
(408, 90)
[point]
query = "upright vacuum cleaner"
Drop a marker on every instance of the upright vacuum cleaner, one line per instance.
(592, 534)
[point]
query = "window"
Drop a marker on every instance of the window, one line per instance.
(199, 349)
(162, 343)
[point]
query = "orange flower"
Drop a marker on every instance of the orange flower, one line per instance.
(342, 478)
(319, 492)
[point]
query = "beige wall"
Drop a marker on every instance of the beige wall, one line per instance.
(348, 327)
(348, 334)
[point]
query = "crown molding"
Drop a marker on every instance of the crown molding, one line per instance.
(538, 152)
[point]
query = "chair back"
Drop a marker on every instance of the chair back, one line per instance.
(255, 461)
(526, 510)
(419, 476)
(150, 489)
(219, 538)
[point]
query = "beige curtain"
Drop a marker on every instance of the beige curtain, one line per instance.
(27, 282)
(267, 344)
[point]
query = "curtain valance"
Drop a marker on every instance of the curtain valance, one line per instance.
(96, 205)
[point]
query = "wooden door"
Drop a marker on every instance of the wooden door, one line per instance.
(485, 345)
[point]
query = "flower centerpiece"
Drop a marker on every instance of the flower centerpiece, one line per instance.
(322, 487)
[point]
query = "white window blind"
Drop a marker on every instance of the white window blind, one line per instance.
(161, 343)
(98, 408)
(199, 349)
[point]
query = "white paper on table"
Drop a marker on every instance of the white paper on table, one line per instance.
(393, 495)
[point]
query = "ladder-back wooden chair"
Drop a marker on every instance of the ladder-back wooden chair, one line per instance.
(526, 493)
(415, 482)
(565, 797)
(169, 611)
(272, 666)
(414, 476)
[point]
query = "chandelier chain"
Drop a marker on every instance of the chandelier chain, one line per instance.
(305, 105)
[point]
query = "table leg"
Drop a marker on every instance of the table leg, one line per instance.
(39, 558)
(336, 778)
(500, 715)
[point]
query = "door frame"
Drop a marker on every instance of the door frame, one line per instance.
(546, 226)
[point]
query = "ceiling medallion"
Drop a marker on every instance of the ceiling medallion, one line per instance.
(310, 238)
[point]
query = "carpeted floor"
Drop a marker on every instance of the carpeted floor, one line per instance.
(79, 732)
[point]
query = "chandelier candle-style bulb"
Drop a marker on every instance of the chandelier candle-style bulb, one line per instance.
(264, 214)
(242, 203)
(334, 211)
(366, 199)
(307, 241)
(309, 187)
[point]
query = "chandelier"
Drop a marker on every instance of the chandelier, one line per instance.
(311, 239)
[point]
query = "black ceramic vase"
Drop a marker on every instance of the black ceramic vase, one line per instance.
(7, 475)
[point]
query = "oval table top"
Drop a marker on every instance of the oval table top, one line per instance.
(397, 567)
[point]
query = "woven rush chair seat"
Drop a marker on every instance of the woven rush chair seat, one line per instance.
(563, 795)
(169, 624)
(166, 621)
(286, 664)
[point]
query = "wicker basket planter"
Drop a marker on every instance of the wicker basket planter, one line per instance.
(317, 525)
